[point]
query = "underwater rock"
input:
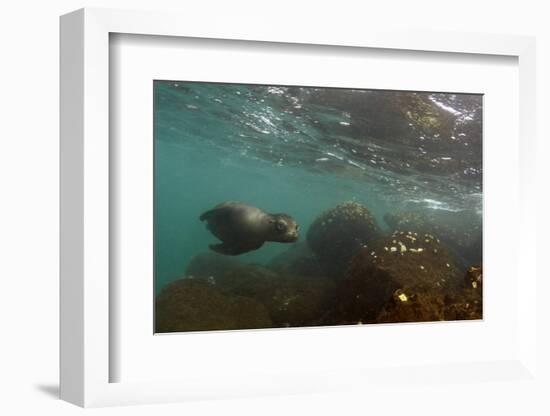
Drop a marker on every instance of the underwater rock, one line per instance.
(301, 301)
(465, 306)
(411, 259)
(297, 260)
(408, 305)
(473, 279)
(340, 233)
(466, 303)
(461, 231)
(253, 281)
(291, 300)
(249, 314)
(415, 264)
(360, 295)
(210, 264)
(473, 250)
(197, 305)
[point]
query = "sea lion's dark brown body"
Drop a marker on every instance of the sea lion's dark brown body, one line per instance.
(243, 228)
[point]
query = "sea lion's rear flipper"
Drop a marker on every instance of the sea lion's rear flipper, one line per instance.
(233, 249)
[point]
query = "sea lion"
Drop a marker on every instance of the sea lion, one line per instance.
(243, 228)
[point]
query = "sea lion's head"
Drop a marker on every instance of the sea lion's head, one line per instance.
(283, 228)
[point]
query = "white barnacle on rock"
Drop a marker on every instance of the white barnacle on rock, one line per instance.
(421, 267)
(393, 249)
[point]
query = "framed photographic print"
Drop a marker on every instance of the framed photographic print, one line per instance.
(377, 194)
(311, 205)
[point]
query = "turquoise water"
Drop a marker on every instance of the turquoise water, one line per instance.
(302, 151)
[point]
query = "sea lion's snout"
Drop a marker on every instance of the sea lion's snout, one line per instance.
(294, 236)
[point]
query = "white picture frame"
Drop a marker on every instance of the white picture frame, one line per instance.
(85, 207)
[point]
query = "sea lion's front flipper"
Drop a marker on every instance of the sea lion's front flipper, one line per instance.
(232, 249)
(218, 214)
(207, 215)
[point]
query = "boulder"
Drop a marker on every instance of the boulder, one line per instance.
(467, 302)
(340, 233)
(210, 265)
(197, 305)
(299, 259)
(460, 231)
(419, 266)
(412, 305)
(291, 300)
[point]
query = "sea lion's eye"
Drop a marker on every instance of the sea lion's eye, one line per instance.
(280, 226)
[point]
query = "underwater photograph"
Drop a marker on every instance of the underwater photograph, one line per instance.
(295, 206)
